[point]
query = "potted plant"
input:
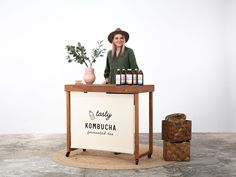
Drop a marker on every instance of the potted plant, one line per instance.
(78, 54)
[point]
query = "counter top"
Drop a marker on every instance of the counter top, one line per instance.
(110, 88)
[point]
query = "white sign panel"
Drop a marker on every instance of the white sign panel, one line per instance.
(102, 121)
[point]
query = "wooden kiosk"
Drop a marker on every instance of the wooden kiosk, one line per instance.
(133, 90)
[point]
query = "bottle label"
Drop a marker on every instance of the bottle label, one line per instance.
(134, 79)
(140, 79)
(118, 79)
(129, 79)
(122, 79)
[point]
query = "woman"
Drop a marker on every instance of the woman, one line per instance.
(120, 57)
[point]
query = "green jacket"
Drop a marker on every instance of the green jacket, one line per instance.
(126, 61)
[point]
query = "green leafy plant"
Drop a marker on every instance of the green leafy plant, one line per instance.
(78, 54)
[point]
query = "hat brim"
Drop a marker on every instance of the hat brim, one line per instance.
(112, 34)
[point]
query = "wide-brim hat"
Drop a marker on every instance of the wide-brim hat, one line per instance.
(118, 31)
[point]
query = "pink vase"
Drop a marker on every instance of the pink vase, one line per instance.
(89, 76)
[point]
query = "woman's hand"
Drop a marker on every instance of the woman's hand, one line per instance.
(105, 82)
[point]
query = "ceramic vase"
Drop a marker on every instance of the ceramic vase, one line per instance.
(89, 76)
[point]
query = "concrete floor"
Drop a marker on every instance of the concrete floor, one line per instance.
(28, 155)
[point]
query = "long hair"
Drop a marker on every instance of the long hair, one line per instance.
(113, 51)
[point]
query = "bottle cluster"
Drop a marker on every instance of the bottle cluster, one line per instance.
(129, 77)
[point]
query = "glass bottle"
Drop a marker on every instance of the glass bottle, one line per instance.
(118, 77)
(135, 73)
(129, 77)
(123, 77)
(140, 77)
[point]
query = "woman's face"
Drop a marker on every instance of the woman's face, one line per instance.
(118, 40)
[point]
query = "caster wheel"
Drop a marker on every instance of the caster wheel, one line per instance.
(67, 154)
(149, 156)
(84, 150)
(136, 161)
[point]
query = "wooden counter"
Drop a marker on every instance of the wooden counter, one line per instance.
(121, 89)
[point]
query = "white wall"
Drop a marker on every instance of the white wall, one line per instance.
(230, 56)
(178, 44)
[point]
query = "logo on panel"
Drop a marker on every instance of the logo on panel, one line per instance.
(100, 122)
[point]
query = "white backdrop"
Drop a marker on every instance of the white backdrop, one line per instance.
(186, 48)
